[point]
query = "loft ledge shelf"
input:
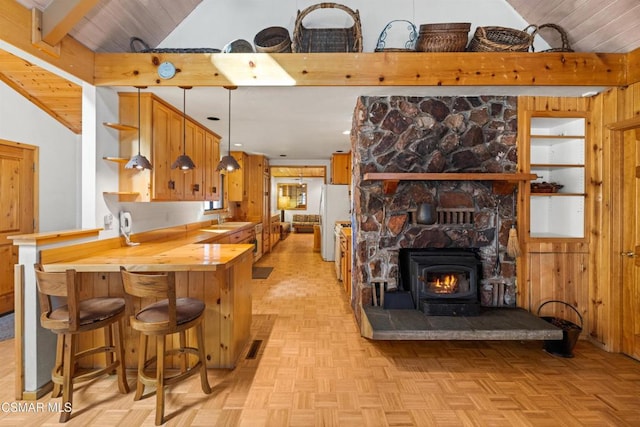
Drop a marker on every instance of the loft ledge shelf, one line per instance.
(391, 180)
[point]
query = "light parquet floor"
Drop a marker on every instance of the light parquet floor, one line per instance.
(314, 369)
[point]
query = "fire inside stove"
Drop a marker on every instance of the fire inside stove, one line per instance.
(446, 283)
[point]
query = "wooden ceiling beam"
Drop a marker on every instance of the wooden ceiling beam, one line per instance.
(633, 66)
(60, 16)
(365, 69)
(15, 29)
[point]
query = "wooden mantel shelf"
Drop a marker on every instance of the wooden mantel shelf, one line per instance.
(391, 179)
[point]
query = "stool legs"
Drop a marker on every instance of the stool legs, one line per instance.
(160, 343)
(142, 359)
(67, 376)
(57, 387)
(204, 381)
(118, 334)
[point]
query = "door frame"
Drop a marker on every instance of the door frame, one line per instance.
(621, 272)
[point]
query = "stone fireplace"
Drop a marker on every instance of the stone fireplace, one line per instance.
(433, 135)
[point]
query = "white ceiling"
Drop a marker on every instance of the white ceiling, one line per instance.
(306, 122)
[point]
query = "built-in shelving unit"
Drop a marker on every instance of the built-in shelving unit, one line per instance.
(557, 155)
(391, 180)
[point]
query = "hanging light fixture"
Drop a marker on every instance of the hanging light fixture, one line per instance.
(138, 161)
(228, 162)
(184, 162)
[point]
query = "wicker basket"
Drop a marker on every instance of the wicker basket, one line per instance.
(448, 37)
(327, 39)
(409, 45)
(566, 47)
(137, 45)
(500, 39)
(273, 40)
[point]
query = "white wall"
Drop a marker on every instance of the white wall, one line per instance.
(214, 23)
(60, 150)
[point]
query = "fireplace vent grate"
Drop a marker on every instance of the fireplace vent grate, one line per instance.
(456, 216)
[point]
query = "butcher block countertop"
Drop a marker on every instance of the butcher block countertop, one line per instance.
(187, 253)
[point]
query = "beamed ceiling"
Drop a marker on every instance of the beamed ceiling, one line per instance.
(106, 26)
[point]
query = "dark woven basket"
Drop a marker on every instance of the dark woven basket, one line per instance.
(137, 45)
(409, 45)
(273, 40)
(500, 39)
(564, 39)
(327, 39)
(446, 37)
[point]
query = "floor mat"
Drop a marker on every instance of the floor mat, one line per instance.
(6, 327)
(261, 272)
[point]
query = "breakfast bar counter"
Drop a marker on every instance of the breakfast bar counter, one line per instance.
(217, 273)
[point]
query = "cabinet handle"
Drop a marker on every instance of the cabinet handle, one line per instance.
(172, 185)
(196, 187)
(628, 254)
(214, 190)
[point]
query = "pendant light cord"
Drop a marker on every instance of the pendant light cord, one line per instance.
(138, 121)
(229, 131)
(184, 126)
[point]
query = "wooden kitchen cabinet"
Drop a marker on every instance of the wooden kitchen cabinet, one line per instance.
(341, 168)
(238, 179)
(161, 140)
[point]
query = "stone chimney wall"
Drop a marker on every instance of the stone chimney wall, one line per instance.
(433, 135)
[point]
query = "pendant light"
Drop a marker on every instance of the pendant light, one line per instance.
(138, 161)
(228, 162)
(184, 162)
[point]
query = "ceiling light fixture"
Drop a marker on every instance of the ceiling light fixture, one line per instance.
(184, 162)
(138, 161)
(228, 162)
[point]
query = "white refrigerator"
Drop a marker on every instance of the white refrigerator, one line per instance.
(335, 205)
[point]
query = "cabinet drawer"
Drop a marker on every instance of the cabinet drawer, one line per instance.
(242, 236)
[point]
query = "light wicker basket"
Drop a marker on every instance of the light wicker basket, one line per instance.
(445, 37)
(501, 39)
(327, 39)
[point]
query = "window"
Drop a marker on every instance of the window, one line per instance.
(216, 204)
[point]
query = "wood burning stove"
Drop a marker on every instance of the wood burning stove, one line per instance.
(442, 282)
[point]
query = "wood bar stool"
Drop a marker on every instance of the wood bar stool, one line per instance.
(72, 317)
(168, 316)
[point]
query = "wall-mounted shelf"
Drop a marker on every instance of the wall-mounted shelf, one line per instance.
(391, 180)
(123, 196)
(116, 159)
(120, 126)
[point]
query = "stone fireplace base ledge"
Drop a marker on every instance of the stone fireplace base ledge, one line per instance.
(497, 324)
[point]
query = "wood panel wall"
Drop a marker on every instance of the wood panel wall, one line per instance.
(556, 270)
(589, 274)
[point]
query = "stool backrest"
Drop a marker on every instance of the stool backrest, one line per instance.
(61, 285)
(152, 285)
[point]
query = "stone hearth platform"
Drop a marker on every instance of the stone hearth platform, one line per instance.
(493, 324)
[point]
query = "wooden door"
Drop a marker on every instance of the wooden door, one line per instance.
(17, 195)
(630, 298)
